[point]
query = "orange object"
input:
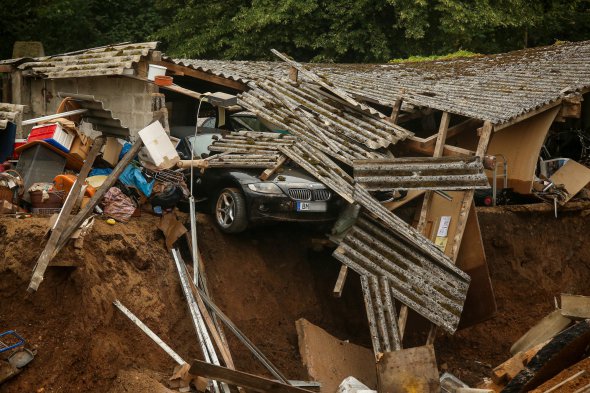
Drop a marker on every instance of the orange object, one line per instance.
(65, 183)
(163, 80)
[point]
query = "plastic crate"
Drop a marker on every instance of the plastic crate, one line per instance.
(39, 164)
(54, 134)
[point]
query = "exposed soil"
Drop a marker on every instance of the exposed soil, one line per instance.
(264, 280)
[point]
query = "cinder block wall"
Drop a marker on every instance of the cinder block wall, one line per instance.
(129, 99)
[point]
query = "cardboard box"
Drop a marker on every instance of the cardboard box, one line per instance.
(111, 151)
(80, 148)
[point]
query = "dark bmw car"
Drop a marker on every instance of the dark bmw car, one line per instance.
(237, 197)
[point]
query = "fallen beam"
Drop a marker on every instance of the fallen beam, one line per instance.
(239, 378)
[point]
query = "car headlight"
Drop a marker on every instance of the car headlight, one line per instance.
(265, 188)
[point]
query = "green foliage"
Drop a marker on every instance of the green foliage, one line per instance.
(67, 25)
(455, 55)
(308, 30)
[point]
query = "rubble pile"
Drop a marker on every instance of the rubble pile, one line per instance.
(394, 185)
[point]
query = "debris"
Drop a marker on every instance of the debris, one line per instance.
(330, 360)
(411, 370)
(564, 350)
(575, 306)
(149, 332)
(545, 329)
(353, 385)
(239, 378)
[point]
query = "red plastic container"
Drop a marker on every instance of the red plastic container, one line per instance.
(18, 143)
(53, 134)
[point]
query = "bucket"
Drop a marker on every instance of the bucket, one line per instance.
(155, 70)
(163, 80)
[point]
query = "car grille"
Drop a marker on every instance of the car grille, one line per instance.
(303, 194)
(300, 194)
(321, 195)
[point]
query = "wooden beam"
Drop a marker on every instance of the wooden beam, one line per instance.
(340, 281)
(397, 106)
(188, 71)
(239, 378)
(64, 217)
(438, 151)
(6, 68)
(423, 146)
(270, 171)
(453, 131)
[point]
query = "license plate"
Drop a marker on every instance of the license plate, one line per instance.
(318, 206)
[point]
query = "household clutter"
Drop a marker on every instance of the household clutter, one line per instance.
(38, 176)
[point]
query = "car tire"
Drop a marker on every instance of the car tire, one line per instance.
(230, 212)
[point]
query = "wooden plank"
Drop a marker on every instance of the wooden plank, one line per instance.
(408, 370)
(239, 378)
(575, 306)
(420, 145)
(64, 218)
(467, 125)
(270, 171)
(573, 176)
(6, 68)
(339, 287)
(437, 152)
(563, 351)
(503, 373)
(108, 183)
(187, 71)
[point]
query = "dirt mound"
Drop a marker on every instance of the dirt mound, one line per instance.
(264, 280)
(533, 258)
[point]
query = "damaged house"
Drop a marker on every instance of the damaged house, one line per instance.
(436, 138)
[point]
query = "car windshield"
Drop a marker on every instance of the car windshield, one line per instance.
(249, 123)
(200, 144)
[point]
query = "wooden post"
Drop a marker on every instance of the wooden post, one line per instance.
(64, 216)
(438, 152)
(482, 146)
(108, 183)
(62, 233)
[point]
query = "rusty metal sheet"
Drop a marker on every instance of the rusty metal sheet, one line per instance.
(428, 173)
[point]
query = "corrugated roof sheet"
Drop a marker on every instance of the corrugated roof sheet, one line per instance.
(497, 88)
(338, 130)
(108, 60)
(102, 119)
(424, 173)
(434, 291)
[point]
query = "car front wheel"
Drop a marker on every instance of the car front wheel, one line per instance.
(230, 211)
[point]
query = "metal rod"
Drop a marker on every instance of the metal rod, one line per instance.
(54, 116)
(149, 332)
(255, 351)
(203, 337)
(195, 250)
